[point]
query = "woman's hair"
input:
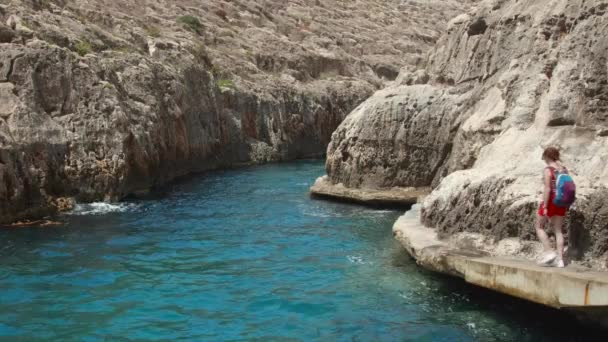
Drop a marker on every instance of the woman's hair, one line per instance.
(551, 153)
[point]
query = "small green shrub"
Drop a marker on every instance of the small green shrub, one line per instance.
(225, 83)
(83, 47)
(125, 49)
(190, 22)
(152, 31)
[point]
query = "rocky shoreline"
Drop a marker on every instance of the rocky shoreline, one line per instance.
(576, 289)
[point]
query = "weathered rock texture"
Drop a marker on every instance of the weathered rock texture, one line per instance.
(101, 99)
(508, 79)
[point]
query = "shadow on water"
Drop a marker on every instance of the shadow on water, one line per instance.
(380, 205)
(161, 191)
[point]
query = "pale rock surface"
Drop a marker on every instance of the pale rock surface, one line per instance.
(508, 79)
(398, 197)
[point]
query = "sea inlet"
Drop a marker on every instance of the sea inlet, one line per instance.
(243, 254)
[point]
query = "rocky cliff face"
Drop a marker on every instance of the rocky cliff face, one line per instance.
(101, 99)
(507, 79)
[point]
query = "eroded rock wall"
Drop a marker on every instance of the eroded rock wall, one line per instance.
(102, 127)
(508, 79)
(400, 136)
(102, 99)
(99, 128)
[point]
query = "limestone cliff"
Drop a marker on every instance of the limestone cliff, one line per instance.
(506, 80)
(101, 99)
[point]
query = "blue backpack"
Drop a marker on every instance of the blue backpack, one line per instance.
(565, 189)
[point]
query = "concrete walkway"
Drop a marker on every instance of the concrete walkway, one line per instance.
(577, 288)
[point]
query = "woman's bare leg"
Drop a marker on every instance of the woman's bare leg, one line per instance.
(541, 221)
(557, 222)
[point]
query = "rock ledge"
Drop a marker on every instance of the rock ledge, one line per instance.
(386, 197)
(581, 290)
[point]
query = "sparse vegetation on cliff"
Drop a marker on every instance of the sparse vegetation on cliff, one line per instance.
(191, 22)
(152, 31)
(225, 83)
(83, 47)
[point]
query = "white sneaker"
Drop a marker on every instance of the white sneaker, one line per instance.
(547, 258)
(559, 263)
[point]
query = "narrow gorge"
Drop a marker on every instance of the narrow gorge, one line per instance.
(164, 165)
(100, 100)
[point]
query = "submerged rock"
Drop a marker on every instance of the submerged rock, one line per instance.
(506, 80)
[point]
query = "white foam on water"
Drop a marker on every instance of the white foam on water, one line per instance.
(102, 208)
(375, 212)
(404, 296)
(319, 212)
(355, 259)
(321, 215)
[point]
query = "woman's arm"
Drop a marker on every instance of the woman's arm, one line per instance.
(547, 187)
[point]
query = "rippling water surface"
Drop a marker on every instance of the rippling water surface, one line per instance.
(242, 255)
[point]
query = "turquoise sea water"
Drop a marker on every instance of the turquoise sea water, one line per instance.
(243, 255)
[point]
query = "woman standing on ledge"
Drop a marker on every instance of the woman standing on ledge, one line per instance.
(549, 211)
